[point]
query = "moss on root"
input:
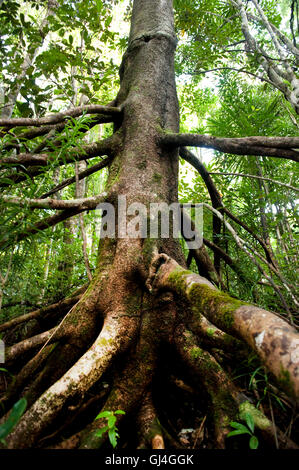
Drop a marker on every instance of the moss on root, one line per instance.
(285, 381)
(260, 420)
(205, 299)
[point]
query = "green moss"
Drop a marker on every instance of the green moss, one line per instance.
(142, 166)
(285, 382)
(114, 173)
(103, 342)
(157, 178)
(223, 305)
(148, 248)
(260, 420)
(196, 352)
(224, 406)
(204, 299)
(177, 279)
(210, 331)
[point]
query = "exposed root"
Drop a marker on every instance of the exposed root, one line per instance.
(136, 331)
(150, 431)
(130, 385)
(14, 352)
(268, 430)
(114, 338)
(274, 340)
(79, 410)
(213, 337)
(209, 374)
(19, 383)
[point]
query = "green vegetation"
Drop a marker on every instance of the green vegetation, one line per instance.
(111, 428)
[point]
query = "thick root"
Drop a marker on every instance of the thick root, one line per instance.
(150, 431)
(274, 340)
(114, 337)
(14, 352)
(209, 374)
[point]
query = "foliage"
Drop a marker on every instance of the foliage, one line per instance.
(14, 417)
(111, 427)
(242, 429)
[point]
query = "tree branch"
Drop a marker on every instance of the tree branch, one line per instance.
(14, 352)
(217, 199)
(56, 204)
(40, 131)
(95, 149)
(278, 76)
(293, 188)
(229, 261)
(59, 117)
(279, 147)
(242, 245)
(83, 174)
(59, 307)
(51, 221)
(282, 37)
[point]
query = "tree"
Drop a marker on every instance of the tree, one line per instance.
(144, 316)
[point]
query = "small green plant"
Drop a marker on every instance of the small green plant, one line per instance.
(111, 425)
(248, 429)
(6, 371)
(14, 417)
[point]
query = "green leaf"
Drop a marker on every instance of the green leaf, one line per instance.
(22, 18)
(111, 421)
(119, 412)
(101, 431)
(249, 421)
(237, 432)
(6, 180)
(254, 442)
(239, 426)
(113, 435)
(104, 414)
(14, 417)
